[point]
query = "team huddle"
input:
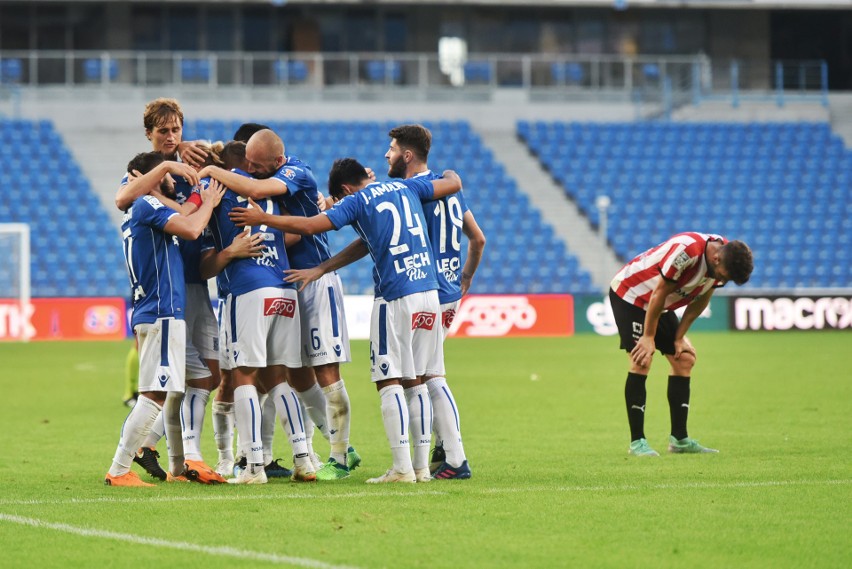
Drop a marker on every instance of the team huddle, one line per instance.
(252, 217)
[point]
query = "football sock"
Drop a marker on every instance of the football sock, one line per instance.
(223, 429)
(337, 409)
(267, 426)
(192, 416)
(248, 417)
(158, 429)
(134, 430)
(131, 373)
(290, 414)
(395, 418)
(314, 402)
(634, 397)
(446, 420)
(308, 424)
(678, 393)
(419, 423)
(174, 436)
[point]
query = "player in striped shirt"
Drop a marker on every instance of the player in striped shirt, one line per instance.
(681, 272)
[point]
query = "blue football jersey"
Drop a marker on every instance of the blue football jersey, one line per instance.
(153, 262)
(389, 218)
(301, 200)
(244, 275)
(444, 220)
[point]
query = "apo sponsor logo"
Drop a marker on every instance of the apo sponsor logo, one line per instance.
(447, 317)
(279, 307)
(423, 320)
(495, 315)
(797, 313)
(102, 319)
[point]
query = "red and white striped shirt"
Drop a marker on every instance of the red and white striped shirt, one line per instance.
(680, 259)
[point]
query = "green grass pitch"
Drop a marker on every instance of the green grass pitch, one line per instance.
(545, 431)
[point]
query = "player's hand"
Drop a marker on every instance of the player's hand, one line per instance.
(303, 276)
(133, 175)
(247, 216)
(246, 245)
(683, 346)
(213, 192)
(192, 154)
(643, 351)
(466, 280)
(450, 174)
(186, 171)
(370, 174)
(323, 202)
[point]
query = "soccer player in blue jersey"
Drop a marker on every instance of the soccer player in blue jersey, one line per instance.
(405, 335)
(325, 341)
(445, 218)
(263, 333)
(149, 230)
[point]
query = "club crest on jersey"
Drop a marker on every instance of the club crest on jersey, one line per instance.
(423, 320)
(279, 307)
(447, 317)
(289, 174)
(681, 260)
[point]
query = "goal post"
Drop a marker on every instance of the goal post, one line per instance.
(15, 282)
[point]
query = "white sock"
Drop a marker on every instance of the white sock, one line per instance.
(419, 423)
(248, 416)
(309, 428)
(192, 417)
(158, 429)
(290, 415)
(267, 426)
(223, 429)
(446, 420)
(315, 405)
(174, 436)
(337, 409)
(133, 432)
(395, 418)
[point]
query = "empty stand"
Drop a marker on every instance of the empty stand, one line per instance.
(784, 188)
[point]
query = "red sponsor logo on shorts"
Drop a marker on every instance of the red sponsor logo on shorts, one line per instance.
(279, 307)
(424, 320)
(447, 317)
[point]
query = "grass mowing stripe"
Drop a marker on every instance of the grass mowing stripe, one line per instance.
(221, 551)
(614, 488)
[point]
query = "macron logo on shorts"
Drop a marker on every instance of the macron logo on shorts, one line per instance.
(424, 320)
(279, 307)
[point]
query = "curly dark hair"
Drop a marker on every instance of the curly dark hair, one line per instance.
(414, 137)
(345, 171)
(738, 261)
(144, 162)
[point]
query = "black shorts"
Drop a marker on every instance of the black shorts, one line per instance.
(630, 320)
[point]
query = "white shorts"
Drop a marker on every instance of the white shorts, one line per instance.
(405, 337)
(202, 330)
(162, 355)
(222, 317)
(265, 328)
(448, 313)
(325, 337)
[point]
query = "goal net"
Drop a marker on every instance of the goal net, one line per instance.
(15, 281)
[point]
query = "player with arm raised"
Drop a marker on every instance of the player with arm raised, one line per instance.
(683, 271)
(405, 337)
(325, 340)
(155, 268)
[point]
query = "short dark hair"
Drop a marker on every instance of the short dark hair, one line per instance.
(738, 261)
(345, 171)
(247, 129)
(233, 154)
(144, 162)
(414, 137)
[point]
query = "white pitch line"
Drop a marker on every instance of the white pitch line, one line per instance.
(482, 491)
(221, 551)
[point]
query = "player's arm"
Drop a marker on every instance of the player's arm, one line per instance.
(451, 183)
(244, 186)
(254, 215)
(351, 253)
(643, 351)
(187, 208)
(475, 247)
(690, 315)
(138, 186)
(191, 226)
(243, 246)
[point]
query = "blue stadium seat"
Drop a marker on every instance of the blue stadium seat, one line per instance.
(93, 69)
